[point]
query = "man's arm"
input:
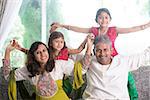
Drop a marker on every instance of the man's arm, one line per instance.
(87, 58)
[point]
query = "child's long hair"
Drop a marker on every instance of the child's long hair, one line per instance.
(32, 65)
(54, 35)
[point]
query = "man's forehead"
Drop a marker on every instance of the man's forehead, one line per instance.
(102, 45)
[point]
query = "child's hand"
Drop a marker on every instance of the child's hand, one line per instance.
(90, 38)
(91, 35)
(54, 26)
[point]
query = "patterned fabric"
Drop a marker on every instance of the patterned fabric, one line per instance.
(45, 85)
(60, 95)
(6, 67)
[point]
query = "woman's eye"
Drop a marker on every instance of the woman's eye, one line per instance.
(44, 50)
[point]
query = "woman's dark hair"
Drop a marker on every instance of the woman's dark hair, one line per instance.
(100, 11)
(32, 65)
(54, 35)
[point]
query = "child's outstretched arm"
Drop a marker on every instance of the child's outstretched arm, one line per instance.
(18, 47)
(133, 29)
(56, 25)
(79, 49)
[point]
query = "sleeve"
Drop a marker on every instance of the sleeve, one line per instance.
(86, 61)
(94, 30)
(6, 68)
(22, 74)
(142, 59)
(68, 67)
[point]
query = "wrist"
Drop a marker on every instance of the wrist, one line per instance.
(8, 50)
(142, 27)
(62, 26)
(6, 62)
(66, 27)
(24, 50)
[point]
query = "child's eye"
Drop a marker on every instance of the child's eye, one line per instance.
(100, 17)
(106, 17)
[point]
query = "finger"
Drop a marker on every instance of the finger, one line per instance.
(52, 24)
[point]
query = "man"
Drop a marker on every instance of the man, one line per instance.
(107, 76)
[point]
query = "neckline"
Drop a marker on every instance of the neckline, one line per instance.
(104, 33)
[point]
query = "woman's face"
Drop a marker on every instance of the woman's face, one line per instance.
(58, 43)
(41, 54)
(103, 19)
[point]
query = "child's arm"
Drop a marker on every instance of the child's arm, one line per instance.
(25, 50)
(18, 47)
(79, 49)
(132, 29)
(55, 25)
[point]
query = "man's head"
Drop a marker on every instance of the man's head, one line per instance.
(103, 49)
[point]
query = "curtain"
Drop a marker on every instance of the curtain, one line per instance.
(8, 15)
(2, 8)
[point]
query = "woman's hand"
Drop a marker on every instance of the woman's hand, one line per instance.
(13, 45)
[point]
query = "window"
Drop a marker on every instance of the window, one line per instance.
(35, 17)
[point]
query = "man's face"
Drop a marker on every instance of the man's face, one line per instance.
(103, 53)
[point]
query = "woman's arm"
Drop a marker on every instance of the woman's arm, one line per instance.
(55, 25)
(21, 73)
(132, 29)
(6, 61)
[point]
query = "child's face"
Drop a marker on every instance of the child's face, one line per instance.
(104, 19)
(41, 54)
(58, 43)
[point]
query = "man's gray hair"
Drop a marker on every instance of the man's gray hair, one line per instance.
(102, 39)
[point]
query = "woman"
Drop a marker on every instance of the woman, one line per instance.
(43, 72)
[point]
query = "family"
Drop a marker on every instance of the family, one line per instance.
(108, 73)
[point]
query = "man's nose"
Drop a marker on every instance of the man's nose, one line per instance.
(102, 53)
